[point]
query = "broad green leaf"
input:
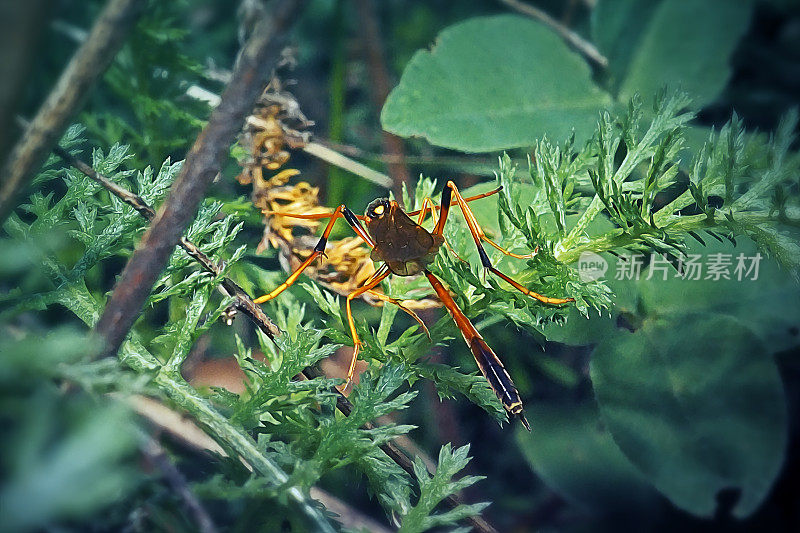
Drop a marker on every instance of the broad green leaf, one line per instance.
(68, 458)
(697, 404)
(579, 330)
(492, 83)
(681, 43)
(757, 290)
(574, 454)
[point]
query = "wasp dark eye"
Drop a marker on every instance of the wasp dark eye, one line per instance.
(377, 209)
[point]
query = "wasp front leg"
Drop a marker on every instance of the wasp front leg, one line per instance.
(319, 250)
(371, 283)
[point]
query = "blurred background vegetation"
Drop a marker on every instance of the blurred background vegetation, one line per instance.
(73, 460)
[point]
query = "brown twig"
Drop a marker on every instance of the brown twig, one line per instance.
(376, 64)
(242, 301)
(66, 98)
(255, 64)
(158, 457)
(573, 39)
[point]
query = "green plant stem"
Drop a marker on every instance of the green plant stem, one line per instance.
(616, 238)
(186, 397)
(135, 355)
(567, 245)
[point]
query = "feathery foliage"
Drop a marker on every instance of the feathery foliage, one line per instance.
(621, 191)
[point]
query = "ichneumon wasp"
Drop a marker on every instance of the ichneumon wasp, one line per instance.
(405, 248)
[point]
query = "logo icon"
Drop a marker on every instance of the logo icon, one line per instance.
(591, 266)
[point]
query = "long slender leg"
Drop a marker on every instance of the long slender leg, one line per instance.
(319, 249)
(398, 303)
(474, 227)
(478, 236)
(372, 282)
(428, 205)
(303, 216)
(470, 199)
(489, 364)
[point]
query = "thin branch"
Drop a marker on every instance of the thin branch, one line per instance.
(258, 58)
(158, 457)
(187, 433)
(573, 39)
(343, 162)
(242, 301)
(66, 98)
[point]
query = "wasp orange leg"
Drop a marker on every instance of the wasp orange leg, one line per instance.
(470, 199)
(478, 236)
(398, 303)
(319, 249)
(371, 283)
